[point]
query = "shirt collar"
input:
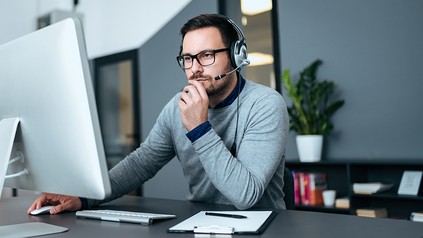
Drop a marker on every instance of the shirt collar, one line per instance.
(233, 95)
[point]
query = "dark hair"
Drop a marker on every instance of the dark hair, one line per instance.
(226, 29)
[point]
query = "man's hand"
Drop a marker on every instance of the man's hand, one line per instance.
(194, 104)
(61, 203)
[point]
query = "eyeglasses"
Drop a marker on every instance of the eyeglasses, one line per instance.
(204, 58)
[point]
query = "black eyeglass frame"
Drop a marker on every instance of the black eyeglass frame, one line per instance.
(180, 58)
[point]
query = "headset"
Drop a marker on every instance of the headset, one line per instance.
(238, 52)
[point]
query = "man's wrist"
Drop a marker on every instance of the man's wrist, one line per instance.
(199, 131)
(84, 203)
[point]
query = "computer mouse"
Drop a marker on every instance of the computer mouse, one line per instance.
(42, 210)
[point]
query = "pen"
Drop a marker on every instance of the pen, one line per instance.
(225, 215)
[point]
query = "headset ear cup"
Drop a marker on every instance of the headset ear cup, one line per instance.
(238, 53)
(242, 56)
(238, 50)
(232, 54)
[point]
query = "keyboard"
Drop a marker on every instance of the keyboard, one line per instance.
(123, 216)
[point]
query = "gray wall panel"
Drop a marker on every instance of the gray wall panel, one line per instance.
(373, 51)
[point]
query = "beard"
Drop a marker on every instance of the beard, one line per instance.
(215, 87)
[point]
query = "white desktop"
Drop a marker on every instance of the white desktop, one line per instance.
(50, 138)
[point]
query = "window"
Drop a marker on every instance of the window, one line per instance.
(117, 95)
(258, 20)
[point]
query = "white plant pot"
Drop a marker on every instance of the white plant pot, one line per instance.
(309, 147)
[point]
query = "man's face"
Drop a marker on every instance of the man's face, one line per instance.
(208, 38)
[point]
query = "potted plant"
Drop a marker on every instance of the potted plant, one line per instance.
(311, 110)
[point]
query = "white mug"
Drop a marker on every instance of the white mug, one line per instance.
(329, 197)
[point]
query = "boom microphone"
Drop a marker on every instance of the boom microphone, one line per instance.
(244, 63)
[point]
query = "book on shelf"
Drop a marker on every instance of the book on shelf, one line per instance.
(297, 193)
(317, 186)
(370, 188)
(304, 189)
(309, 187)
(417, 216)
(372, 212)
(343, 202)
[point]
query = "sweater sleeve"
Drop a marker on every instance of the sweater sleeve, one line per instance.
(260, 149)
(144, 162)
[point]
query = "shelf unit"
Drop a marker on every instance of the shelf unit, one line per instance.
(342, 174)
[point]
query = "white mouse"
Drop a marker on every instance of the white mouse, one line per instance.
(42, 210)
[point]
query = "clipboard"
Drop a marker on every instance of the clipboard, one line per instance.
(255, 222)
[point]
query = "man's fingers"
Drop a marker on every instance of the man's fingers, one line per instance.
(61, 203)
(37, 204)
(199, 88)
(185, 97)
(59, 208)
(191, 91)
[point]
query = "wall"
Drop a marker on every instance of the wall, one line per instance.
(373, 51)
(110, 26)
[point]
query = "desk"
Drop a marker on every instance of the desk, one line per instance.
(286, 223)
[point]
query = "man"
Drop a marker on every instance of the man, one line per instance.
(228, 133)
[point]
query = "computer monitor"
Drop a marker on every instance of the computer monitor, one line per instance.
(50, 137)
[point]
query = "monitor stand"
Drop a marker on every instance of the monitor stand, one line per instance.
(8, 129)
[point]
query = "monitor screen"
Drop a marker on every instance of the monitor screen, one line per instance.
(50, 137)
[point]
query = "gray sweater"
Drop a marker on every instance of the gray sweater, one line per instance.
(253, 178)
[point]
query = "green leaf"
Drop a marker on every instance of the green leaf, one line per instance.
(311, 108)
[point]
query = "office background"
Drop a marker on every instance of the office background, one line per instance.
(371, 50)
